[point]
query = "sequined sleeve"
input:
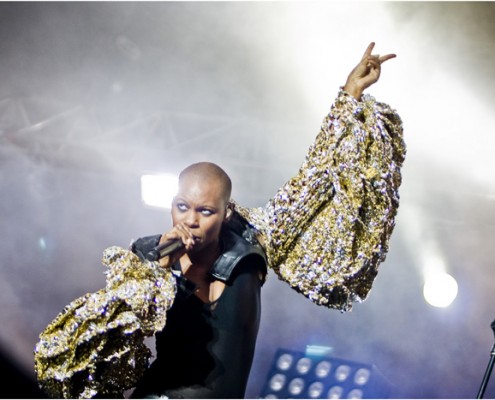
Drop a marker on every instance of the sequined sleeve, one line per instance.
(327, 229)
(95, 346)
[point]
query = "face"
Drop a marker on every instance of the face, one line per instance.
(201, 206)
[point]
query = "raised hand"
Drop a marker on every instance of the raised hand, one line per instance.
(366, 73)
(182, 233)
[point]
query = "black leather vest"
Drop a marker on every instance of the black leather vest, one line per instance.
(238, 241)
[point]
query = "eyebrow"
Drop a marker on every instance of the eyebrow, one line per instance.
(181, 199)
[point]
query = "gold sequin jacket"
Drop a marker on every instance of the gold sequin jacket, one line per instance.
(325, 233)
(327, 229)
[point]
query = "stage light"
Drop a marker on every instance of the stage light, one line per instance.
(342, 372)
(285, 361)
(277, 382)
(440, 290)
(315, 350)
(42, 243)
(303, 365)
(315, 390)
(362, 376)
(323, 369)
(158, 190)
(296, 386)
(297, 375)
(335, 392)
(355, 394)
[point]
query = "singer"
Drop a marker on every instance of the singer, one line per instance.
(324, 233)
(207, 346)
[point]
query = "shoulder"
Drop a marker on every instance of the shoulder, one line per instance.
(238, 255)
(143, 245)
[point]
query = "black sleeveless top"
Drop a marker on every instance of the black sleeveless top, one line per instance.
(206, 349)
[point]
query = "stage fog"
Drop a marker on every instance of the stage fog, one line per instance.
(94, 95)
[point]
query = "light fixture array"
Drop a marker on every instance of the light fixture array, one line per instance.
(300, 375)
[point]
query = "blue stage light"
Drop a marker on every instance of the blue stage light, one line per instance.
(299, 375)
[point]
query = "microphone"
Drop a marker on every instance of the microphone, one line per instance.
(164, 249)
(489, 368)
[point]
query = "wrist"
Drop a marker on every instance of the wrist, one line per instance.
(353, 90)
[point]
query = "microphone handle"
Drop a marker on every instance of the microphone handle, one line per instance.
(164, 249)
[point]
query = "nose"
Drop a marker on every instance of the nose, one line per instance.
(191, 219)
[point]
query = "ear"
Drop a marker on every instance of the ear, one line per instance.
(229, 212)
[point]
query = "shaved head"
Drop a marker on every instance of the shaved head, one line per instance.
(208, 172)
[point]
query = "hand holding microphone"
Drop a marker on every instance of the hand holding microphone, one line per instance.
(173, 245)
(164, 249)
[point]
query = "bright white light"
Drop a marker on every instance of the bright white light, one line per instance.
(315, 390)
(158, 190)
(362, 376)
(285, 361)
(335, 392)
(303, 365)
(316, 60)
(342, 372)
(355, 394)
(440, 290)
(277, 382)
(318, 351)
(42, 243)
(296, 386)
(322, 369)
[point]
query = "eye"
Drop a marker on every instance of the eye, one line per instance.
(207, 212)
(181, 206)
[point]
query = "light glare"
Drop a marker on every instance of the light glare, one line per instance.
(158, 190)
(440, 290)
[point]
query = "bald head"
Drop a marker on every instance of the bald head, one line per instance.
(208, 173)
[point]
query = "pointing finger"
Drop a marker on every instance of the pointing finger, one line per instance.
(368, 51)
(387, 57)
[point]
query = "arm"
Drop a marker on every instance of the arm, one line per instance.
(73, 353)
(327, 229)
